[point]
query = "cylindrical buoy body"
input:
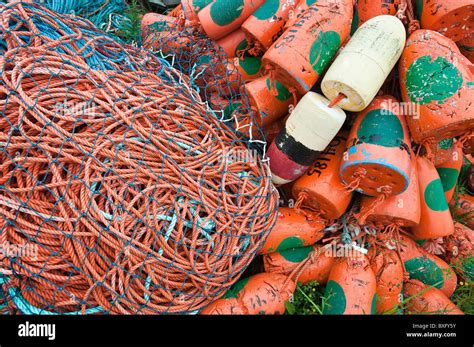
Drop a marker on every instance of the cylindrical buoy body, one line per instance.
(426, 267)
(449, 172)
(388, 269)
(351, 288)
(379, 147)
(402, 209)
(307, 132)
(466, 46)
(270, 98)
(368, 9)
(321, 182)
(365, 62)
(233, 43)
(435, 219)
(452, 18)
(266, 24)
(221, 17)
(293, 229)
(427, 300)
(284, 262)
(263, 293)
(303, 51)
(435, 77)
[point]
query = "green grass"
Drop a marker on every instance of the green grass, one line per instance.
(130, 31)
(307, 299)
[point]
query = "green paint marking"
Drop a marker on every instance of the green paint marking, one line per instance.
(241, 46)
(204, 59)
(426, 271)
(224, 12)
(434, 196)
(283, 93)
(310, 2)
(236, 288)
(446, 144)
(419, 8)
(290, 242)
(435, 80)
(420, 242)
(381, 127)
(296, 255)
(323, 49)
(251, 65)
(335, 298)
(230, 108)
(355, 21)
(267, 10)
(198, 5)
(449, 177)
(373, 307)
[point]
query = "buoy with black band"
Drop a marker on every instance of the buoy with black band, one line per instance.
(365, 62)
(308, 131)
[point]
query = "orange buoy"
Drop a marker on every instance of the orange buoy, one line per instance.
(308, 130)
(463, 208)
(234, 43)
(466, 46)
(295, 14)
(351, 288)
(367, 9)
(284, 262)
(302, 52)
(321, 184)
(263, 293)
(221, 17)
(270, 98)
(426, 267)
(427, 300)
(452, 18)
(249, 67)
(388, 270)
(436, 78)
(378, 152)
(266, 24)
(449, 172)
(435, 218)
(402, 209)
(362, 66)
(293, 229)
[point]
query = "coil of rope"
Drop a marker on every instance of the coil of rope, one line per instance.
(117, 174)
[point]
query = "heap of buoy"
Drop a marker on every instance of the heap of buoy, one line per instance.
(368, 108)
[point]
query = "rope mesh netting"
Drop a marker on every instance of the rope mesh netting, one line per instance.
(131, 181)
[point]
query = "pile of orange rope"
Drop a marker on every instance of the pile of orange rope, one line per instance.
(120, 181)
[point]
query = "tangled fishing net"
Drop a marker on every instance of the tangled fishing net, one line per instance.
(122, 189)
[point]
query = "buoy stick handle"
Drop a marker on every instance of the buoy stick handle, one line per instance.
(337, 100)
